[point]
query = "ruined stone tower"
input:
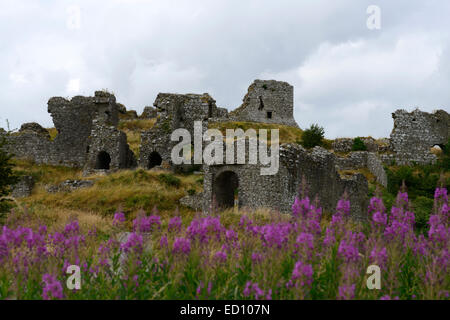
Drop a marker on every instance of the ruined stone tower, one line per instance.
(267, 101)
(416, 132)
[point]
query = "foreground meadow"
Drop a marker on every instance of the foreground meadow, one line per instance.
(232, 255)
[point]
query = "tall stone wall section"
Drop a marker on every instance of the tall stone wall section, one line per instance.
(108, 139)
(267, 101)
(175, 111)
(74, 122)
(416, 132)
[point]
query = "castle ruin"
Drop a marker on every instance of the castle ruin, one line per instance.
(416, 132)
(88, 137)
(267, 101)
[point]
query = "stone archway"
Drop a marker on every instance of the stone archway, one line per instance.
(103, 161)
(224, 187)
(154, 160)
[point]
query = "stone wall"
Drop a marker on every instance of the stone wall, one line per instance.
(108, 149)
(416, 132)
(372, 145)
(375, 166)
(279, 191)
(74, 121)
(175, 111)
(364, 159)
(149, 113)
(267, 101)
(32, 142)
(23, 188)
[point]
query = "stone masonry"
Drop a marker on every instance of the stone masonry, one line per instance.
(364, 159)
(318, 167)
(267, 101)
(174, 111)
(80, 124)
(416, 132)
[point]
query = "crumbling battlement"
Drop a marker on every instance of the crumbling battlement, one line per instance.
(267, 101)
(416, 132)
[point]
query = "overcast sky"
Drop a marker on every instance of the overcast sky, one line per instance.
(346, 77)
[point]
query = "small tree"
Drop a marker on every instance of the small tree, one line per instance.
(7, 175)
(359, 145)
(313, 136)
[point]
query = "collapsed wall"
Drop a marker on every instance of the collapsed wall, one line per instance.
(174, 111)
(318, 167)
(363, 159)
(74, 121)
(267, 101)
(416, 132)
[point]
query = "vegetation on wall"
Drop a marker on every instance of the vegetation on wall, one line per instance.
(359, 145)
(313, 136)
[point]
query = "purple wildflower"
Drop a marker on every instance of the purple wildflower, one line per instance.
(182, 245)
(119, 218)
(175, 224)
(52, 288)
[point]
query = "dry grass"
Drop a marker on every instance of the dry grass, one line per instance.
(287, 134)
(437, 151)
(128, 189)
(134, 141)
(57, 218)
(53, 133)
(47, 174)
(137, 124)
(133, 129)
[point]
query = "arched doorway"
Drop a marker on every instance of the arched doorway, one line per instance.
(154, 160)
(103, 161)
(224, 188)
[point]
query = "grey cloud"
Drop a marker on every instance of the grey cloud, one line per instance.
(138, 48)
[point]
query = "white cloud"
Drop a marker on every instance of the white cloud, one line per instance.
(357, 82)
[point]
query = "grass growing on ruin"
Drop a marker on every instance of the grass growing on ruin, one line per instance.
(53, 133)
(137, 124)
(288, 134)
(133, 129)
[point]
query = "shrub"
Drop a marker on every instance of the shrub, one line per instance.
(313, 136)
(444, 162)
(191, 192)
(358, 145)
(420, 180)
(169, 179)
(7, 175)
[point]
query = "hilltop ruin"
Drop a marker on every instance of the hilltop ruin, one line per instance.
(88, 137)
(267, 101)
